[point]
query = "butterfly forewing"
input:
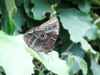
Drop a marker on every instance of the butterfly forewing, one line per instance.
(42, 38)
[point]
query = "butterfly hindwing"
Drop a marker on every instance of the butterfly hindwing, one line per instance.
(42, 38)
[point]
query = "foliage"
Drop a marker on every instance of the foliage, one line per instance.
(75, 52)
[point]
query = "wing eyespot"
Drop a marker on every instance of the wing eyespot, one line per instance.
(34, 37)
(54, 26)
(42, 36)
(49, 28)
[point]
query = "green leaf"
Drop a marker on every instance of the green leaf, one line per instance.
(41, 73)
(51, 61)
(84, 5)
(77, 51)
(11, 7)
(80, 63)
(77, 23)
(95, 67)
(13, 57)
(40, 7)
(7, 23)
(70, 62)
(73, 48)
(92, 33)
(19, 19)
(10, 26)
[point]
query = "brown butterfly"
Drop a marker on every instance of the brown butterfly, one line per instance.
(42, 38)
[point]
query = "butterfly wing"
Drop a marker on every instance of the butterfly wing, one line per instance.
(42, 38)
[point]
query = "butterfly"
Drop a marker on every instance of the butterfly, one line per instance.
(43, 37)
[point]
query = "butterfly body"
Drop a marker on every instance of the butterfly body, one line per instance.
(42, 38)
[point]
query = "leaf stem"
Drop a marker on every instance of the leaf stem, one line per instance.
(69, 47)
(96, 21)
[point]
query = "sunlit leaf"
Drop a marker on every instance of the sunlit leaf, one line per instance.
(13, 57)
(52, 62)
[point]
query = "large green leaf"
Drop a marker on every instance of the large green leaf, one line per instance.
(77, 23)
(13, 51)
(13, 57)
(52, 62)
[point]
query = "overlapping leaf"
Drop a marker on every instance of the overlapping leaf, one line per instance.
(8, 9)
(11, 7)
(28, 7)
(91, 34)
(76, 64)
(52, 62)
(41, 7)
(77, 23)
